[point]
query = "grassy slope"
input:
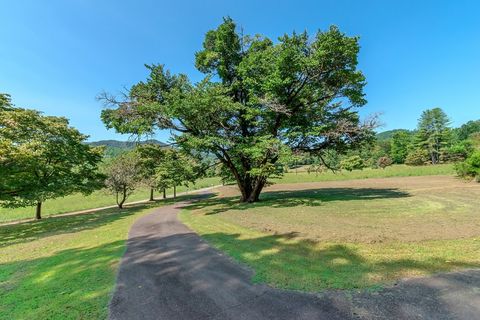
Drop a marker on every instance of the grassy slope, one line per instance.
(97, 199)
(64, 267)
(339, 237)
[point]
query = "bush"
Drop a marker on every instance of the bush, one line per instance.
(458, 152)
(384, 162)
(352, 163)
(417, 157)
(470, 168)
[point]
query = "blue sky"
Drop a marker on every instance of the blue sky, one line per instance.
(57, 55)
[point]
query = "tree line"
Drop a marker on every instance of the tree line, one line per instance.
(43, 157)
(433, 142)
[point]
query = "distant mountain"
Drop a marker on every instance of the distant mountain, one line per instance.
(387, 135)
(114, 148)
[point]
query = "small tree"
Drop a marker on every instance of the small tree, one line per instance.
(123, 176)
(417, 157)
(352, 163)
(384, 162)
(42, 157)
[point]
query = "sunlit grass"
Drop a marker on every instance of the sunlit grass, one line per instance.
(64, 267)
(392, 171)
(344, 235)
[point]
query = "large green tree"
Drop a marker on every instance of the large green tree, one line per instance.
(433, 133)
(42, 157)
(260, 99)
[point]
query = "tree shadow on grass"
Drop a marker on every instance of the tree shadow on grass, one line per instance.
(284, 261)
(77, 282)
(185, 270)
(311, 198)
(53, 225)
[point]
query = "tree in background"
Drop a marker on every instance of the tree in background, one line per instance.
(474, 138)
(124, 175)
(177, 169)
(151, 156)
(352, 163)
(467, 129)
(5, 102)
(42, 157)
(399, 145)
(433, 134)
(300, 94)
(417, 157)
(470, 168)
(458, 152)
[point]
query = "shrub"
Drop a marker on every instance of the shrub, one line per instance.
(352, 163)
(457, 152)
(470, 168)
(384, 162)
(417, 157)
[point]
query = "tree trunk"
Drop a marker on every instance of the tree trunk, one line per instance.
(251, 190)
(122, 200)
(151, 194)
(174, 192)
(245, 189)
(38, 212)
(257, 189)
(164, 193)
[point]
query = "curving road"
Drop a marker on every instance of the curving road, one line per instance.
(169, 272)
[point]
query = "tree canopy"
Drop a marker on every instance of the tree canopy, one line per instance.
(259, 101)
(42, 157)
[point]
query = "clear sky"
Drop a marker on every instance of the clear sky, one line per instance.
(57, 55)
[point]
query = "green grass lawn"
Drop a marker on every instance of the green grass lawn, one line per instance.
(346, 234)
(392, 171)
(63, 267)
(102, 198)
(97, 199)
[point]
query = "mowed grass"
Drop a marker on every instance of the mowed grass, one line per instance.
(102, 198)
(346, 234)
(63, 267)
(393, 171)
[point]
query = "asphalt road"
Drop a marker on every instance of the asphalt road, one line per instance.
(169, 272)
